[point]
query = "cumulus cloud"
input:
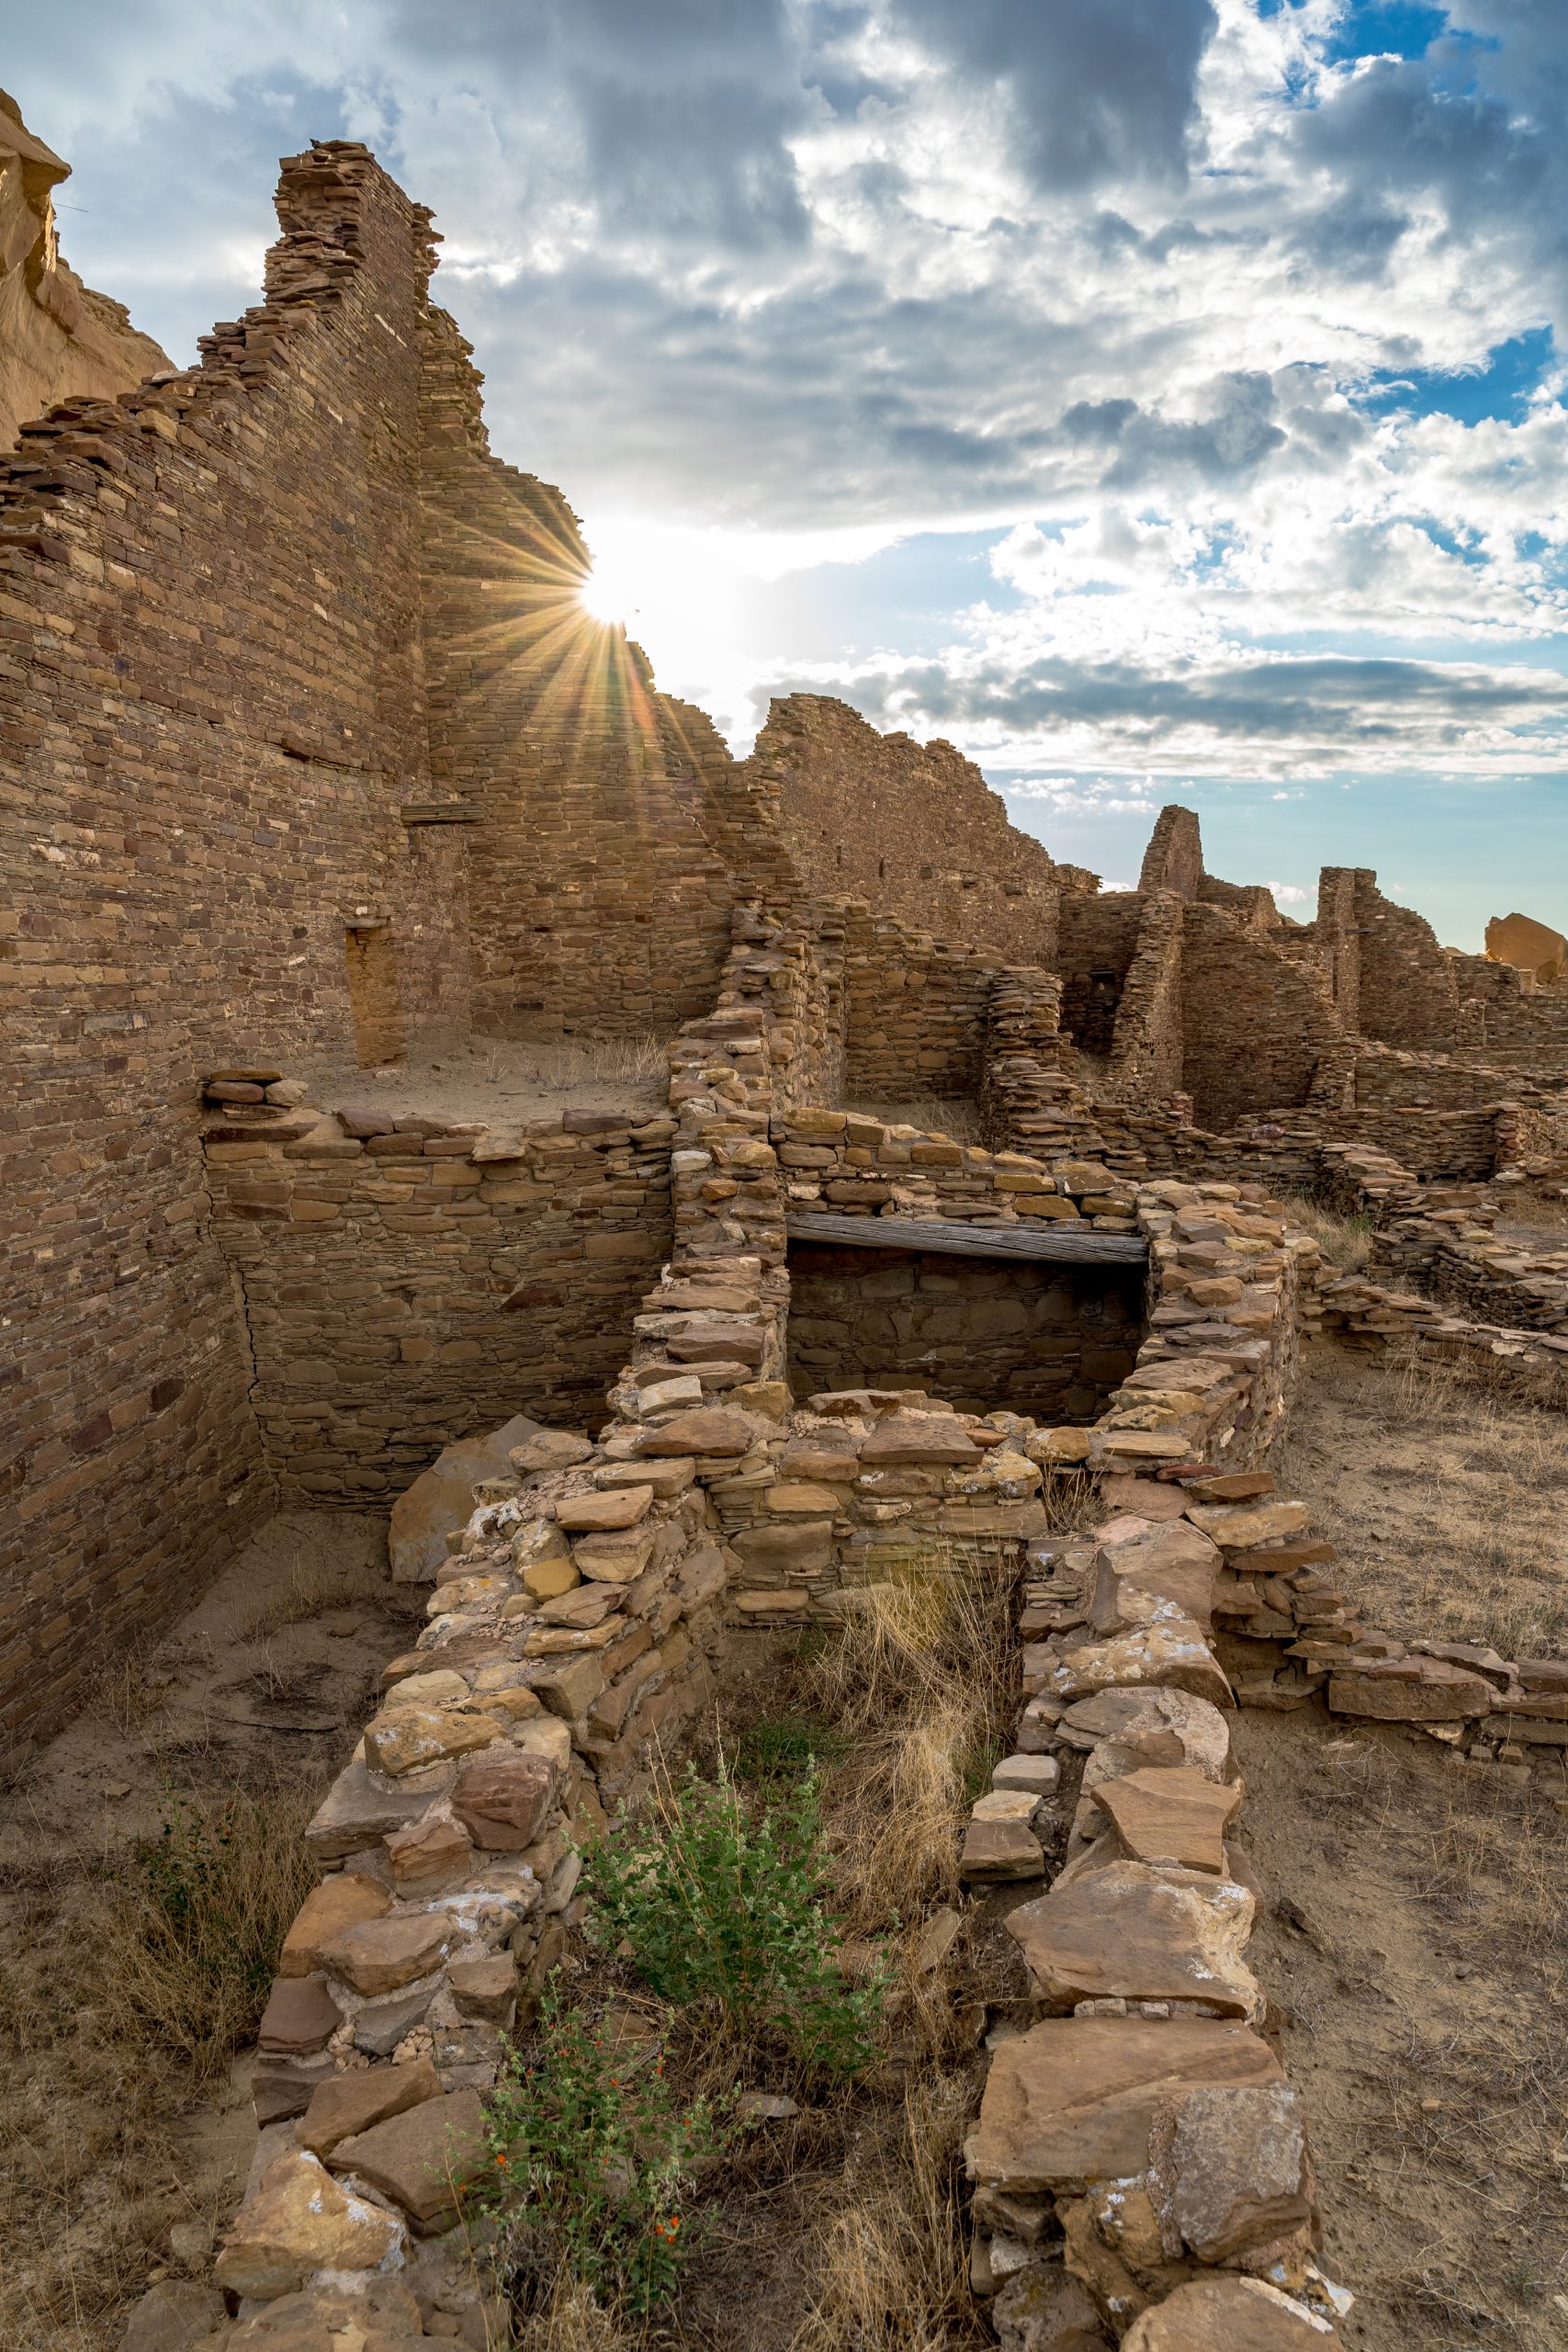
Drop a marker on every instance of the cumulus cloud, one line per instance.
(1172, 295)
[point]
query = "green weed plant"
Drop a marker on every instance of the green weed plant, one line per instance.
(724, 1900)
(592, 2161)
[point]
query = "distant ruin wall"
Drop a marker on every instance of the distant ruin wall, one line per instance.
(400, 1292)
(914, 828)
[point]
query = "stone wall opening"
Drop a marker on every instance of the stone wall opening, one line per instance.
(374, 997)
(1048, 1341)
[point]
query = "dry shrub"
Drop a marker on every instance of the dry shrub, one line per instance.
(195, 1923)
(560, 1063)
(956, 1116)
(1346, 1242)
(892, 2256)
(920, 1680)
(117, 2019)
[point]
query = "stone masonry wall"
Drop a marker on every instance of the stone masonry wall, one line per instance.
(913, 828)
(210, 715)
(599, 901)
(404, 1285)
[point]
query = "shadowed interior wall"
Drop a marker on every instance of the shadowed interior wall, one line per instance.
(1049, 1341)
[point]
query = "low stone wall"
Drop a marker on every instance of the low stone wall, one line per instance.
(1139, 2163)
(411, 1281)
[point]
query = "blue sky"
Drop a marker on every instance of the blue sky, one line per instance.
(1160, 400)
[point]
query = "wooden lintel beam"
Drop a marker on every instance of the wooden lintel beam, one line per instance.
(1060, 1243)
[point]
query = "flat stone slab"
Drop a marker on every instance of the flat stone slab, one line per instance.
(351, 2103)
(443, 1497)
(422, 2159)
(1435, 1694)
(1229, 2316)
(1074, 2100)
(1173, 1816)
(1169, 1651)
(345, 1900)
(1132, 1932)
(1159, 1727)
(383, 1955)
(1230, 2169)
(996, 1851)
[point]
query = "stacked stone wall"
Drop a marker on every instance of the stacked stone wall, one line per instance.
(210, 715)
(913, 828)
(1254, 1028)
(404, 1288)
(599, 900)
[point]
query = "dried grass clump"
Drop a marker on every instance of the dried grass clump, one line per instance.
(122, 2005)
(919, 1682)
(1345, 1242)
(956, 1116)
(564, 1062)
(300, 1580)
(891, 2256)
(195, 1923)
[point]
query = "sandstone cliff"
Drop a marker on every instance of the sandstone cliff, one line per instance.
(57, 337)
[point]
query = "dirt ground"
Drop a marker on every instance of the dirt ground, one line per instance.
(1446, 1498)
(1416, 1934)
(504, 1082)
(107, 2144)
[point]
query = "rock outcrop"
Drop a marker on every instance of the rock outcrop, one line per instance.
(1529, 945)
(58, 339)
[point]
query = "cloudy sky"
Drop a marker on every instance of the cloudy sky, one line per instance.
(1161, 398)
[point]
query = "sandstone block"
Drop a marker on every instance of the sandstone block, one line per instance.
(346, 2104)
(382, 1955)
(613, 1559)
(793, 1550)
(355, 1812)
(1172, 1652)
(176, 2315)
(441, 1497)
(1075, 2099)
(341, 1901)
(485, 1987)
(503, 1800)
(1237, 1526)
(1172, 1815)
(708, 1430)
(594, 1514)
(998, 1851)
(570, 1687)
(410, 1739)
(422, 2159)
(300, 2014)
(918, 1437)
(1241, 2314)
(1155, 1727)
(1438, 1694)
(430, 1855)
(548, 1450)
(1229, 2169)
(298, 2220)
(1139, 1934)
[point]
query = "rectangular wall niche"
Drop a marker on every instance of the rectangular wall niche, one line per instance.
(1048, 1340)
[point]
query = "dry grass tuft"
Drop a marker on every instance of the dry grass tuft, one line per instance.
(561, 1063)
(1444, 1493)
(308, 1585)
(921, 1682)
(125, 1992)
(892, 2257)
(1345, 1242)
(195, 1923)
(956, 1116)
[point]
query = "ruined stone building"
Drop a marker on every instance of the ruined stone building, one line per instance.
(310, 753)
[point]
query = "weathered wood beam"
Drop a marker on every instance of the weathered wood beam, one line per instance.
(1059, 1244)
